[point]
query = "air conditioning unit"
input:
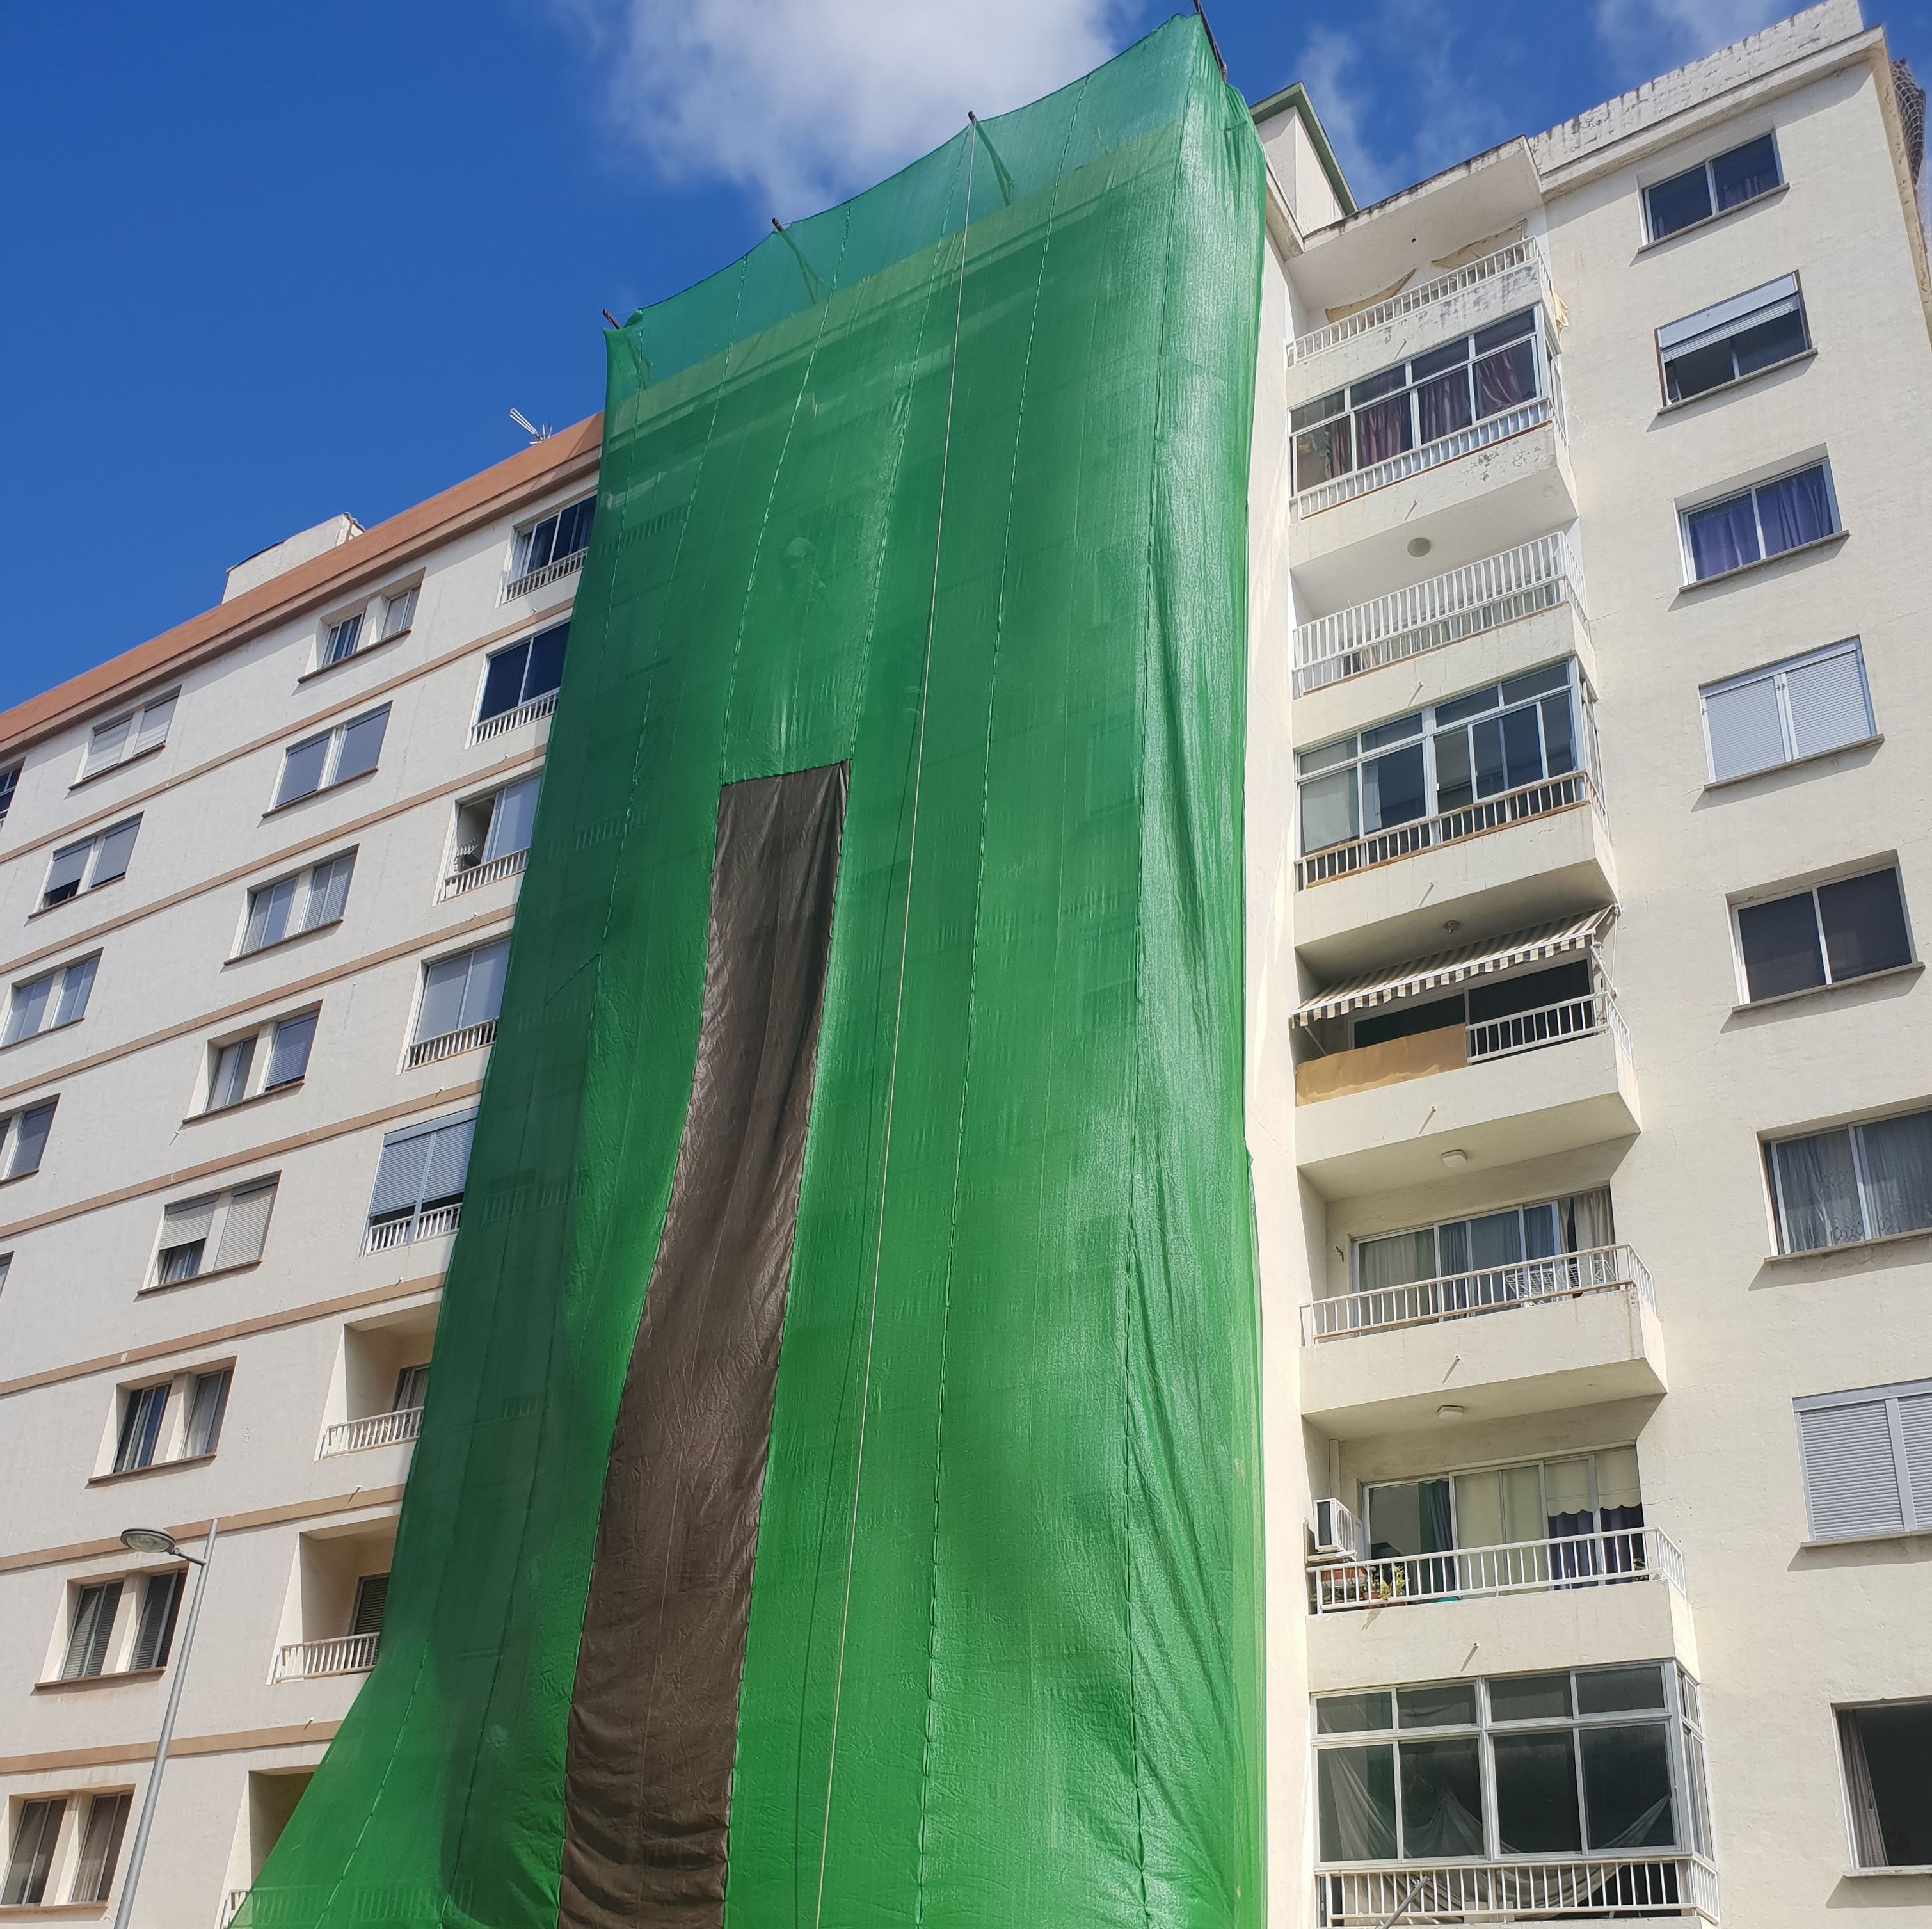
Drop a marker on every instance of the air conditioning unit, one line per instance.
(1336, 1536)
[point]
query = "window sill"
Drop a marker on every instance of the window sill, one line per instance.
(1846, 1246)
(72, 1912)
(99, 1681)
(360, 777)
(197, 1279)
(343, 662)
(1871, 742)
(45, 910)
(1884, 1535)
(1710, 221)
(153, 1467)
(243, 1104)
(45, 1031)
(14, 1178)
(1911, 970)
(108, 770)
(281, 944)
(1899, 1869)
(1736, 383)
(1764, 562)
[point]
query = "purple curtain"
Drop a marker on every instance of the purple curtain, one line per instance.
(1794, 509)
(1722, 537)
(1443, 405)
(1382, 430)
(1506, 378)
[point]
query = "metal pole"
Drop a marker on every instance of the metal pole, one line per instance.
(124, 1909)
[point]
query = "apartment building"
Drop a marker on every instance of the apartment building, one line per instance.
(1590, 1113)
(257, 879)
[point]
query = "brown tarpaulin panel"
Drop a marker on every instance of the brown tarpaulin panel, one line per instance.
(654, 1716)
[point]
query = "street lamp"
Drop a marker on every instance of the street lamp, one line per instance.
(156, 1541)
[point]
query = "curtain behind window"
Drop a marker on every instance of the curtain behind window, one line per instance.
(1898, 1173)
(1819, 1193)
(1794, 509)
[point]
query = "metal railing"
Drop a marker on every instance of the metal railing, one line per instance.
(507, 720)
(1616, 1555)
(469, 878)
(448, 1044)
(550, 572)
(1524, 253)
(385, 1235)
(377, 1429)
(1463, 602)
(1550, 1889)
(1494, 1289)
(1492, 429)
(1546, 1024)
(1548, 794)
(345, 1654)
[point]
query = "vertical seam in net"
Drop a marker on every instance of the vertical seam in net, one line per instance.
(892, 1069)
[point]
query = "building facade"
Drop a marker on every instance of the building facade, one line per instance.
(1592, 1130)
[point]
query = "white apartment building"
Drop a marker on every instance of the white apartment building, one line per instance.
(1590, 1110)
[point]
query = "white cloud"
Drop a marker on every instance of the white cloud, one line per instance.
(801, 101)
(1650, 37)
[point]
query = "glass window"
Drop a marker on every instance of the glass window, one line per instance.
(208, 1403)
(53, 999)
(524, 672)
(304, 901)
(31, 1859)
(101, 1845)
(1859, 1182)
(1727, 180)
(10, 782)
(133, 733)
(1731, 339)
(1536, 1811)
(1801, 707)
(1759, 523)
(1627, 1793)
(23, 1139)
(421, 1170)
(214, 1232)
(90, 1631)
(342, 639)
(1490, 1243)
(142, 1410)
(399, 613)
(288, 1050)
(461, 991)
(1888, 1760)
(1355, 1788)
(333, 756)
(557, 537)
(1846, 929)
(160, 1601)
(1419, 401)
(92, 862)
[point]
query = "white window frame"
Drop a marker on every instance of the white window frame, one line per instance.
(304, 883)
(261, 1039)
(502, 719)
(10, 785)
(454, 871)
(66, 1863)
(1778, 673)
(1775, 894)
(173, 1436)
(417, 1040)
(1652, 239)
(1736, 493)
(524, 537)
(60, 981)
(143, 730)
(1844, 1714)
(1775, 1177)
(1783, 295)
(1889, 1397)
(93, 846)
(14, 1126)
(398, 602)
(220, 1206)
(410, 1223)
(333, 737)
(352, 623)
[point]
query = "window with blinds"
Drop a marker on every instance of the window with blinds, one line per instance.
(1867, 1457)
(213, 1233)
(1724, 343)
(132, 734)
(30, 1860)
(87, 864)
(372, 1595)
(461, 992)
(154, 1633)
(266, 1060)
(419, 1180)
(101, 1845)
(53, 999)
(303, 900)
(1857, 1182)
(1827, 935)
(1786, 712)
(331, 756)
(23, 1139)
(90, 1631)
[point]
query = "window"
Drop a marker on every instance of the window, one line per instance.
(372, 1595)
(303, 900)
(1867, 1461)
(459, 994)
(1419, 401)
(1801, 707)
(495, 826)
(30, 1864)
(154, 1632)
(94, 861)
(524, 672)
(146, 1439)
(1724, 182)
(342, 637)
(1580, 1223)
(208, 1406)
(1825, 936)
(1860, 1182)
(412, 1389)
(142, 1411)
(23, 1138)
(333, 756)
(1887, 1752)
(49, 1001)
(132, 734)
(6, 1266)
(279, 1050)
(399, 613)
(1759, 523)
(10, 782)
(214, 1233)
(1502, 737)
(31, 1859)
(1724, 343)
(419, 1189)
(90, 1630)
(101, 1845)
(564, 534)
(1600, 1760)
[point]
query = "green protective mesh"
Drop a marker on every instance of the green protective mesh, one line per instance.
(949, 481)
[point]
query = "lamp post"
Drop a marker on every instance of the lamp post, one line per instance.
(154, 1541)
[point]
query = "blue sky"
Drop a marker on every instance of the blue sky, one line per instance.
(269, 263)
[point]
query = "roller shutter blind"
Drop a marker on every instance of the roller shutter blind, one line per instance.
(1915, 1415)
(1851, 1472)
(246, 1227)
(1827, 698)
(1745, 729)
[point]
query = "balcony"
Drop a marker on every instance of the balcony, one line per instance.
(533, 711)
(1461, 603)
(472, 875)
(1672, 1887)
(536, 579)
(435, 1223)
(449, 1044)
(1587, 1332)
(1618, 1557)
(343, 1654)
(376, 1429)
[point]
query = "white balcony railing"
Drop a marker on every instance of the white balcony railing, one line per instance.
(1513, 422)
(1525, 256)
(231, 1906)
(536, 579)
(1546, 1024)
(1494, 1289)
(1463, 602)
(1569, 791)
(345, 1654)
(448, 1044)
(438, 1222)
(1611, 1558)
(377, 1429)
(507, 720)
(1552, 1888)
(469, 878)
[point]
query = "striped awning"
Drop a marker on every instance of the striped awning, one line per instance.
(1420, 975)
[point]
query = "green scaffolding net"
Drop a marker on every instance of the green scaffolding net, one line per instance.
(926, 1554)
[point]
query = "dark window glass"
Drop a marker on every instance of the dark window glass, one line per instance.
(1446, 1705)
(1400, 731)
(1722, 537)
(1322, 454)
(1355, 1788)
(1559, 738)
(1443, 406)
(1773, 341)
(1408, 1020)
(1393, 789)
(1745, 172)
(1321, 410)
(1627, 1786)
(503, 682)
(1780, 941)
(1536, 1791)
(1382, 429)
(1702, 369)
(1440, 361)
(1675, 203)
(1794, 509)
(1529, 1697)
(1454, 786)
(1384, 382)
(1508, 329)
(1506, 378)
(1351, 1714)
(1489, 698)
(1528, 994)
(1442, 1798)
(1864, 924)
(545, 669)
(1898, 1758)
(1611, 1690)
